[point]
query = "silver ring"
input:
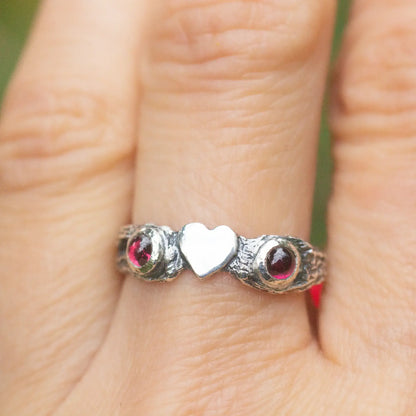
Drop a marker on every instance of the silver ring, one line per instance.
(276, 264)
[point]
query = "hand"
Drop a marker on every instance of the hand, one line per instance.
(223, 130)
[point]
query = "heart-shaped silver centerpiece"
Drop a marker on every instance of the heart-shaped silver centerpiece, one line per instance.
(207, 251)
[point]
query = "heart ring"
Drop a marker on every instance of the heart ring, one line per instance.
(276, 264)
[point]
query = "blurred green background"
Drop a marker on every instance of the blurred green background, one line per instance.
(15, 18)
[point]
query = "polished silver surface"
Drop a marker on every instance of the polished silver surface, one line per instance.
(206, 252)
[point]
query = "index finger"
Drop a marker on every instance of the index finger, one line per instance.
(66, 141)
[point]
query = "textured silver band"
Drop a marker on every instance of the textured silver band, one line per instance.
(156, 253)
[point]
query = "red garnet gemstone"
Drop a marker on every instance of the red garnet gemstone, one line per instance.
(140, 251)
(280, 263)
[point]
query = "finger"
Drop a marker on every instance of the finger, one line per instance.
(370, 298)
(229, 123)
(66, 141)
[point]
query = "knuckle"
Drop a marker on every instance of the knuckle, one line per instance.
(227, 165)
(375, 81)
(52, 134)
(223, 40)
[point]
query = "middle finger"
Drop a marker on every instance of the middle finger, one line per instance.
(230, 116)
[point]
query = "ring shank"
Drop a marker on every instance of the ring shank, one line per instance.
(247, 262)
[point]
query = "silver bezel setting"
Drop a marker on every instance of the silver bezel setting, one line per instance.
(157, 250)
(260, 263)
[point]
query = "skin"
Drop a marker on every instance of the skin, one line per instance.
(177, 111)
